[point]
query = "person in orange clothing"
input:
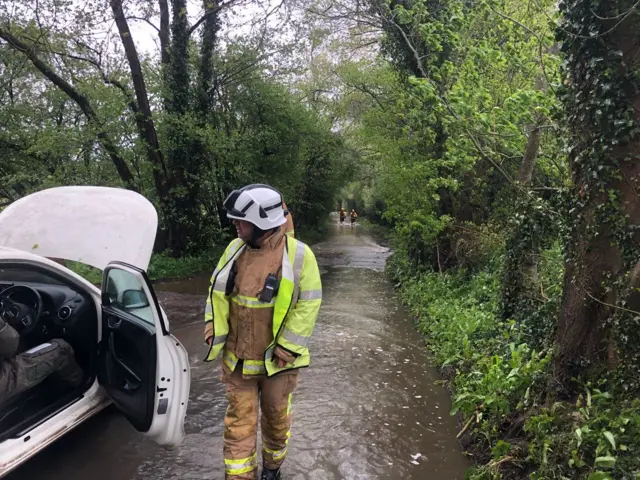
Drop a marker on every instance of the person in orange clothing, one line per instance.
(353, 216)
(343, 214)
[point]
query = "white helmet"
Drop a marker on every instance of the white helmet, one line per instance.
(258, 204)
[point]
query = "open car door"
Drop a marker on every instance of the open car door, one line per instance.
(143, 368)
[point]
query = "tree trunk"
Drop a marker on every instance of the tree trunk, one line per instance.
(520, 283)
(184, 152)
(164, 33)
(162, 176)
(210, 28)
(103, 137)
(605, 165)
(179, 68)
(525, 172)
(148, 133)
(519, 289)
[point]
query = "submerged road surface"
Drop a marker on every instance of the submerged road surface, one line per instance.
(368, 408)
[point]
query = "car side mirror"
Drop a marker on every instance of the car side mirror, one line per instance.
(134, 299)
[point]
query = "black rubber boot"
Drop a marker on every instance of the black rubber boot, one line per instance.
(270, 474)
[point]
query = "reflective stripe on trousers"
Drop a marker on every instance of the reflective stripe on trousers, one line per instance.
(240, 466)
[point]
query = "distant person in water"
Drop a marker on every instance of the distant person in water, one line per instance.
(353, 216)
(343, 215)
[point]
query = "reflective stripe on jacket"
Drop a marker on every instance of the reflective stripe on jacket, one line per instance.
(295, 307)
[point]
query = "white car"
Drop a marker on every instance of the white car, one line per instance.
(120, 335)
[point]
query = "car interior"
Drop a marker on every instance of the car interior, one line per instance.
(42, 305)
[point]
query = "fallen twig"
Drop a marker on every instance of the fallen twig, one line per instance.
(468, 424)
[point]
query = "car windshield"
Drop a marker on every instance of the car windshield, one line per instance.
(15, 273)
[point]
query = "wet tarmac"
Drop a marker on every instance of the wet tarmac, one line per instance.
(368, 408)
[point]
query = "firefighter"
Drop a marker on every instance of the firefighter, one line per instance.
(353, 216)
(261, 310)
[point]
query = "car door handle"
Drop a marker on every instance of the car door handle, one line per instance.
(114, 322)
(112, 349)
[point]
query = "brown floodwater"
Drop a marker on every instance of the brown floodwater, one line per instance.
(369, 407)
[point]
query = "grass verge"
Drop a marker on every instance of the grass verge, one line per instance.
(497, 380)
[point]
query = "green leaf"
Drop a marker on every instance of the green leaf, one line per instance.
(513, 372)
(609, 436)
(599, 476)
(606, 461)
(501, 449)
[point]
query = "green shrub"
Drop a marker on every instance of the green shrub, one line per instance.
(161, 267)
(500, 371)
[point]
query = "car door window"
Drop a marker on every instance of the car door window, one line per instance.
(125, 292)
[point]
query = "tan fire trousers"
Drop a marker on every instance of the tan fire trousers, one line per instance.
(246, 397)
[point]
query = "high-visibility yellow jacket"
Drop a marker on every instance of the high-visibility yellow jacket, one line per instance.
(295, 307)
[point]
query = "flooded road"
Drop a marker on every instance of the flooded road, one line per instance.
(368, 408)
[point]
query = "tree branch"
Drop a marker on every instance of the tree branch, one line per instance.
(148, 22)
(211, 12)
(121, 166)
(202, 19)
(412, 48)
(366, 90)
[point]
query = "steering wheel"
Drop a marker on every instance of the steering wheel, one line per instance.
(24, 318)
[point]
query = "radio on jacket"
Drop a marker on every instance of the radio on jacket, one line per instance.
(270, 288)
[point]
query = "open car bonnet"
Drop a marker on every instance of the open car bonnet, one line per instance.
(92, 225)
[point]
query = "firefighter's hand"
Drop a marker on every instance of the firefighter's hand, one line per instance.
(208, 340)
(283, 358)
